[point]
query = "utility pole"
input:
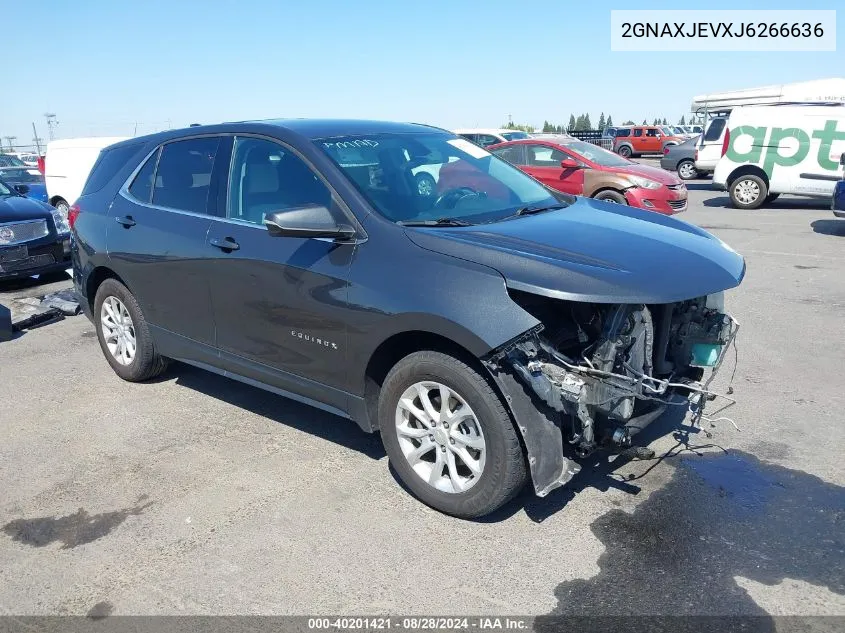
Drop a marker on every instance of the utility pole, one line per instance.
(36, 139)
(51, 124)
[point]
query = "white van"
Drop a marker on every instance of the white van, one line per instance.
(769, 150)
(67, 165)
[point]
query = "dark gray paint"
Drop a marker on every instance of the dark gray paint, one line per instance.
(240, 312)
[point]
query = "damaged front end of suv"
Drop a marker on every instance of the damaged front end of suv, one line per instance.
(592, 375)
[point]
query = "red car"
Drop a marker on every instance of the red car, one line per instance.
(572, 166)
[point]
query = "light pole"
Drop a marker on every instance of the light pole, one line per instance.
(51, 124)
(10, 140)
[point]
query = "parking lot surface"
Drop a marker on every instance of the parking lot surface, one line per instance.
(194, 494)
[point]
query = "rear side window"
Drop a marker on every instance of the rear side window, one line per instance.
(183, 177)
(513, 154)
(142, 187)
(109, 162)
(714, 130)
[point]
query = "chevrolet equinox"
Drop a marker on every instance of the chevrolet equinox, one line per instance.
(490, 329)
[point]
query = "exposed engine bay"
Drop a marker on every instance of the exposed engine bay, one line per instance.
(608, 370)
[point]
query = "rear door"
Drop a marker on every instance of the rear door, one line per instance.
(157, 237)
(543, 163)
(279, 302)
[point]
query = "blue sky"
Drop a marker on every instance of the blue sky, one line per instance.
(101, 66)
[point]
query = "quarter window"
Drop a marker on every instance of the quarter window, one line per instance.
(142, 187)
(714, 130)
(183, 176)
(267, 177)
(108, 164)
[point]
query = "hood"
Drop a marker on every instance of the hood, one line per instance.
(597, 252)
(18, 208)
(646, 171)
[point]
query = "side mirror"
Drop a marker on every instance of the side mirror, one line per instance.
(842, 159)
(22, 189)
(308, 221)
(570, 163)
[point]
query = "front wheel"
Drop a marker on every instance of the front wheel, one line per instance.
(62, 206)
(425, 184)
(748, 192)
(448, 435)
(611, 196)
(687, 170)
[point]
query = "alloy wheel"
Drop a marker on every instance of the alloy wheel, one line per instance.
(118, 330)
(687, 171)
(440, 436)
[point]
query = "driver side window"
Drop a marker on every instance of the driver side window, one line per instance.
(268, 177)
(542, 156)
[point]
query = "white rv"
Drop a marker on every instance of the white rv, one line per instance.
(67, 165)
(763, 142)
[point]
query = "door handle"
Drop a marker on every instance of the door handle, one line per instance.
(126, 221)
(226, 244)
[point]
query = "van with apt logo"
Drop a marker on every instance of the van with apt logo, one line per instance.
(771, 150)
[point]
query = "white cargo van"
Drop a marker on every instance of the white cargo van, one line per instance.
(770, 150)
(67, 165)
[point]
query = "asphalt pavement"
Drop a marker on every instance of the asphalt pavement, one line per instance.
(194, 494)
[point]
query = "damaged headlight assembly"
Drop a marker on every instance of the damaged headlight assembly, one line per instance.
(597, 374)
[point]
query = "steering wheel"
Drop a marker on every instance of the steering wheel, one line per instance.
(454, 195)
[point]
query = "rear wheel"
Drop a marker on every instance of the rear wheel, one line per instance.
(124, 335)
(448, 435)
(687, 170)
(611, 196)
(624, 151)
(748, 191)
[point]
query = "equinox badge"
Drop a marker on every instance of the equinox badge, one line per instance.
(313, 339)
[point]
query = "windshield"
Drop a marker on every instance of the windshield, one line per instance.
(595, 154)
(427, 176)
(515, 136)
(25, 175)
(10, 161)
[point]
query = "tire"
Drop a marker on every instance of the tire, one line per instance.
(748, 191)
(62, 206)
(425, 184)
(772, 197)
(502, 470)
(686, 170)
(609, 195)
(624, 151)
(146, 363)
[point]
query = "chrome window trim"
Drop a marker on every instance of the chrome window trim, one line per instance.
(336, 198)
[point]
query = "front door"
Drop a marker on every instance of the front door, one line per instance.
(279, 302)
(543, 163)
(156, 238)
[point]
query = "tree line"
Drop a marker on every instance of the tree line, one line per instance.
(581, 123)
